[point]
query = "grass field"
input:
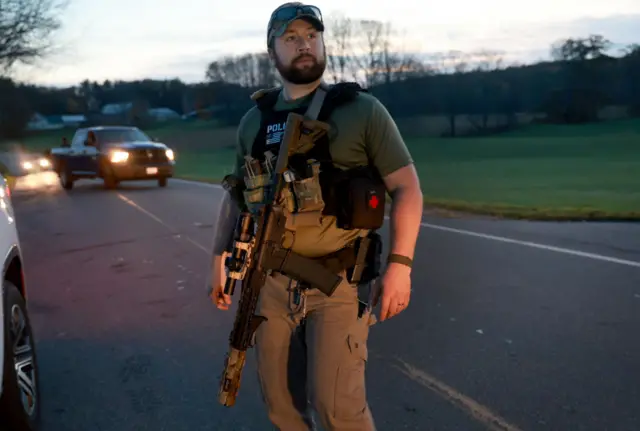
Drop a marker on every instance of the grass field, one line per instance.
(538, 172)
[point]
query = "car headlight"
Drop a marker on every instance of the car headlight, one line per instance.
(170, 155)
(44, 163)
(119, 156)
(27, 165)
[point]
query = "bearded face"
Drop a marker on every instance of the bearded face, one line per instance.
(304, 69)
(299, 54)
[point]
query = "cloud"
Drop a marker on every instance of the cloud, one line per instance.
(247, 34)
(190, 68)
(619, 29)
(186, 51)
(532, 41)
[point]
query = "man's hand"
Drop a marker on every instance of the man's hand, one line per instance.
(218, 279)
(396, 290)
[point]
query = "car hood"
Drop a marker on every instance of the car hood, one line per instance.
(136, 145)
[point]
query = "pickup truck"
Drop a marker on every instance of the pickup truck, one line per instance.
(113, 153)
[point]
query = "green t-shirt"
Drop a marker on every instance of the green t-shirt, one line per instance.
(362, 130)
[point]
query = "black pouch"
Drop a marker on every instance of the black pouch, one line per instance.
(361, 200)
(374, 254)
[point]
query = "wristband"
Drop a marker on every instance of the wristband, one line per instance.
(398, 258)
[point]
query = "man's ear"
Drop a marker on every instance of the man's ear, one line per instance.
(272, 56)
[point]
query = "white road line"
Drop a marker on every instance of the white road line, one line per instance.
(502, 239)
(536, 245)
(479, 412)
(476, 410)
(153, 216)
(196, 183)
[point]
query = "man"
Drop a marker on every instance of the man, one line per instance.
(314, 349)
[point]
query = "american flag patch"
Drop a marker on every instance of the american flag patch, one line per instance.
(274, 138)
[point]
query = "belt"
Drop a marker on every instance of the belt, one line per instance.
(319, 272)
(339, 260)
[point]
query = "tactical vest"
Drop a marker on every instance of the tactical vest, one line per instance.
(356, 196)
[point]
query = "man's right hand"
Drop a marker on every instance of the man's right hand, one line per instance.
(222, 301)
(218, 279)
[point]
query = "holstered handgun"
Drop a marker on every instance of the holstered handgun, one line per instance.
(368, 264)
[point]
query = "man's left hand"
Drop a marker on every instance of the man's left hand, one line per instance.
(396, 290)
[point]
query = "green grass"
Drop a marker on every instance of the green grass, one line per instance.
(205, 165)
(540, 173)
(39, 141)
(583, 172)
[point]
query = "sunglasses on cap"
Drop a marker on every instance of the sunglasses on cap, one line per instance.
(289, 12)
(282, 16)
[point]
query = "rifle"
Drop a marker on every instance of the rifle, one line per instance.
(255, 255)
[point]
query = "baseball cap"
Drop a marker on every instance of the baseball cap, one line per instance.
(286, 13)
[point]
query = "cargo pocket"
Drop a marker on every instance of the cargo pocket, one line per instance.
(350, 396)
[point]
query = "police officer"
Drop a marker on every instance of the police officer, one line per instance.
(313, 348)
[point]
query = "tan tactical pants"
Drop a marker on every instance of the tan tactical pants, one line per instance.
(320, 362)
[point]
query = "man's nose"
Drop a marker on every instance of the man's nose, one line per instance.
(303, 44)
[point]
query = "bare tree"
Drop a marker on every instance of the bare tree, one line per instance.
(339, 46)
(632, 49)
(486, 60)
(631, 68)
(246, 70)
(580, 49)
(584, 70)
(452, 64)
(371, 45)
(14, 111)
(396, 63)
(378, 57)
(26, 30)
(488, 89)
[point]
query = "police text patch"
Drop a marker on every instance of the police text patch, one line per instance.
(275, 132)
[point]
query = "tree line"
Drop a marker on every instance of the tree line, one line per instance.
(581, 77)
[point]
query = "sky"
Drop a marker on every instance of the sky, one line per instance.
(164, 39)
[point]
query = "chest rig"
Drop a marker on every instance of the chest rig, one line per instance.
(316, 186)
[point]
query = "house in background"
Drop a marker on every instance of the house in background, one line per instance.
(41, 122)
(135, 111)
(73, 120)
(52, 122)
(116, 108)
(163, 114)
(132, 112)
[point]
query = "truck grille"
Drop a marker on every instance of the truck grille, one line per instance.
(148, 155)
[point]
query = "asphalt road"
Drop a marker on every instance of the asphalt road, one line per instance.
(538, 331)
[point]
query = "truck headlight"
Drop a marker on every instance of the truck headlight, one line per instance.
(44, 163)
(170, 154)
(119, 156)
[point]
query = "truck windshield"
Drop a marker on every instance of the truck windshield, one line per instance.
(115, 136)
